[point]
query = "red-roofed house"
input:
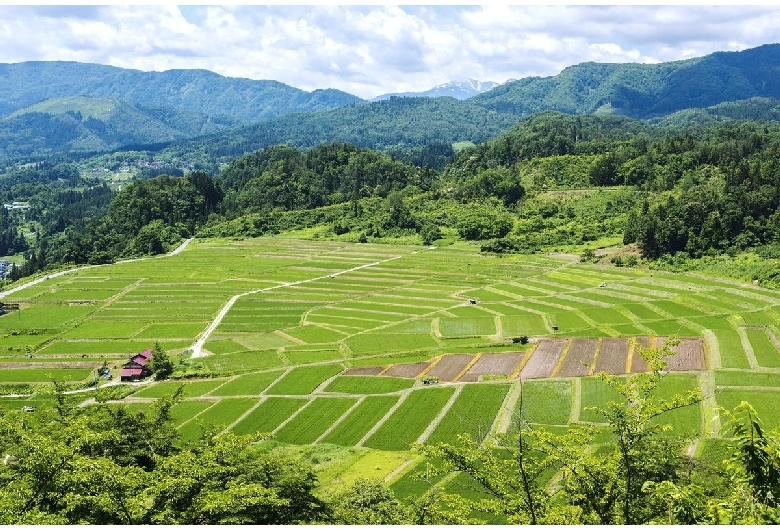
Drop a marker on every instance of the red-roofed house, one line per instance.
(136, 368)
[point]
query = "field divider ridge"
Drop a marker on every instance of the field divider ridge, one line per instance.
(336, 423)
(197, 347)
(443, 412)
(630, 355)
(576, 401)
(562, 358)
(503, 419)
(436, 361)
(713, 349)
(749, 353)
(405, 394)
(245, 414)
(595, 360)
(526, 356)
(471, 363)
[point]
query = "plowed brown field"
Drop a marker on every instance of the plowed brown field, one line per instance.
(448, 368)
(612, 356)
(544, 359)
(407, 370)
(578, 358)
(688, 355)
(492, 364)
(638, 364)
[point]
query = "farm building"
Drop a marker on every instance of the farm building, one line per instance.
(137, 367)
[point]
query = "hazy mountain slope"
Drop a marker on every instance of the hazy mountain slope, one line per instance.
(397, 122)
(198, 91)
(644, 90)
(455, 89)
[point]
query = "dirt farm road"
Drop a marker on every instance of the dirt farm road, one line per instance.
(85, 267)
(197, 346)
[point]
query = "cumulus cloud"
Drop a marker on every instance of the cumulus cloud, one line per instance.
(370, 50)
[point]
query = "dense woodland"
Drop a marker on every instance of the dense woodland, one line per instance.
(550, 181)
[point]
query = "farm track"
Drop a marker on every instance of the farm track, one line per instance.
(404, 395)
(197, 347)
(437, 420)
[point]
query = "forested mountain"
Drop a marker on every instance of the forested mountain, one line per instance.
(385, 125)
(644, 90)
(182, 104)
(637, 90)
(196, 91)
(83, 124)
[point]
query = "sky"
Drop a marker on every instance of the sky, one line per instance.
(369, 50)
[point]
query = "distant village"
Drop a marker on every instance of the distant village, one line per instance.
(146, 164)
(16, 207)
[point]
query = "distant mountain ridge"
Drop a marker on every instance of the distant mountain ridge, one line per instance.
(457, 89)
(241, 115)
(644, 91)
(197, 91)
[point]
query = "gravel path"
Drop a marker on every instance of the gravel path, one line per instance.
(85, 267)
(197, 346)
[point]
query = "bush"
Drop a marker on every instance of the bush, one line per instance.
(480, 222)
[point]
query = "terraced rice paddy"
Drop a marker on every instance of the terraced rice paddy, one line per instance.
(316, 352)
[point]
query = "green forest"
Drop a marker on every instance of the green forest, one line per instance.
(551, 182)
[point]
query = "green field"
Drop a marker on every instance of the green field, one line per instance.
(43, 375)
(247, 385)
(355, 384)
(310, 423)
(765, 402)
(355, 426)
(410, 419)
(190, 388)
(218, 416)
(276, 348)
(545, 402)
(471, 413)
(269, 415)
(303, 380)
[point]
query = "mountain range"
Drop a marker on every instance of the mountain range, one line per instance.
(51, 107)
(456, 89)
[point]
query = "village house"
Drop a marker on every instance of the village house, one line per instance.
(137, 367)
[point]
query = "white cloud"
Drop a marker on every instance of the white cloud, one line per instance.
(369, 50)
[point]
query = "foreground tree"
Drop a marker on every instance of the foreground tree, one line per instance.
(104, 464)
(160, 364)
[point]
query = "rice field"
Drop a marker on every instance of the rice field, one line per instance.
(318, 353)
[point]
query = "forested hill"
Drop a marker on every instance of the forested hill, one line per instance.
(644, 90)
(197, 91)
(83, 124)
(384, 125)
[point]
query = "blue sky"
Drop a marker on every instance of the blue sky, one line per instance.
(369, 50)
